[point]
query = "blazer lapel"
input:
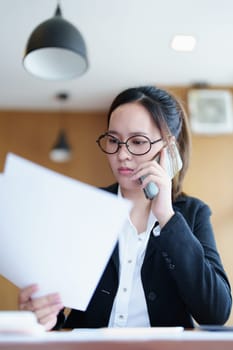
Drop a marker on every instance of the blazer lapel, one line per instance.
(151, 246)
(115, 257)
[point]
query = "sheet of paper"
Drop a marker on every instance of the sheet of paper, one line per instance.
(20, 323)
(130, 335)
(56, 231)
(125, 333)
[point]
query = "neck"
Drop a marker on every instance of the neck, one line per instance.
(136, 196)
(133, 195)
(140, 210)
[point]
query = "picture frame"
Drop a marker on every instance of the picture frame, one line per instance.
(210, 111)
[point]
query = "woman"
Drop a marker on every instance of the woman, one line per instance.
(165, 269)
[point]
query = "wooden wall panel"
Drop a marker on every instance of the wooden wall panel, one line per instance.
(32, 134)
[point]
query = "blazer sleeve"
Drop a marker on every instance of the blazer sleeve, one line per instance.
(187, 243)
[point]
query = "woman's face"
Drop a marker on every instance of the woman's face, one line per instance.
(125, 121)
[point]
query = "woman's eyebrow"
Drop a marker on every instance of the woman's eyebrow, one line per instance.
(130, 134)
(112, 132)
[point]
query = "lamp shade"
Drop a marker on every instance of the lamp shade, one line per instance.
(61, 151)
(56, 50)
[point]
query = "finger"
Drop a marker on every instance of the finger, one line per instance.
(163, 158)
(43, 302)
(142, 171)
(26, 293)
(48, 321)
(48, 316)
(49, 311)
(51, 299)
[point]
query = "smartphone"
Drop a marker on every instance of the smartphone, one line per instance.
(151, 189)
(173, 165)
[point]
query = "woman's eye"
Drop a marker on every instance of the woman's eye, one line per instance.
(139, 142)
(112, 140)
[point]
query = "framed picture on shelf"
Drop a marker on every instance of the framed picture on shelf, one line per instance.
(210, 111)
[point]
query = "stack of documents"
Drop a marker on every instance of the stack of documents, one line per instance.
(56, 231)
(19, 322)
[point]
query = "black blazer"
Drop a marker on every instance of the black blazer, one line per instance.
(182, 275)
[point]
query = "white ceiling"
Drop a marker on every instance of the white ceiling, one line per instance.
(128, 44)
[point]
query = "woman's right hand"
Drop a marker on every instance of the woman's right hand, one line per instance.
(46, 308)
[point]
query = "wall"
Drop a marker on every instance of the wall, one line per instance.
(31, 135)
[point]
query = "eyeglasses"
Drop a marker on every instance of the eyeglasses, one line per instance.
(136, 145)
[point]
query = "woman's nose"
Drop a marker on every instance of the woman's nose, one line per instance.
(123, 152)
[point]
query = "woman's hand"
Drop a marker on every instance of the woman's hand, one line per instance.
(155, 172)
(46, 308)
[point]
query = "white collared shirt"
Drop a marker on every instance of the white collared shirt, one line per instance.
(129, 307)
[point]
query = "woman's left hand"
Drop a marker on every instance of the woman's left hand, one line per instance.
(46, 308)
(156, 172)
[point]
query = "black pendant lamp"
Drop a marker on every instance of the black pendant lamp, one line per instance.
(61, 151)
(56, 50)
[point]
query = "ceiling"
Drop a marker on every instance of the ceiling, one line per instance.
(128, 44)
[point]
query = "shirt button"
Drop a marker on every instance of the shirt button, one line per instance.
(121, 317)
(171, 266)
(124, 289)
(129, 261)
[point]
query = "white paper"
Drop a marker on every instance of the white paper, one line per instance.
(130, 335)
(125, 333)
(137, 335)
(56, 231)
(20, 323)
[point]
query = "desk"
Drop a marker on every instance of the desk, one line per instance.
(188, 340)
(152, 345)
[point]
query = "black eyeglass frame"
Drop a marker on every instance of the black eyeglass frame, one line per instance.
(119, 143)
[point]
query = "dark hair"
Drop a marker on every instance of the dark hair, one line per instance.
(170, 118)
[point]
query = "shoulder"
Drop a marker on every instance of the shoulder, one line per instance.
(196, 212)
(111, 188)
(191, 206)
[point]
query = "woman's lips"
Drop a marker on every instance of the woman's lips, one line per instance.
(125, 171)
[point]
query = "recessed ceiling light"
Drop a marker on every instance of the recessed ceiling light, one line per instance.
(185, 43)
